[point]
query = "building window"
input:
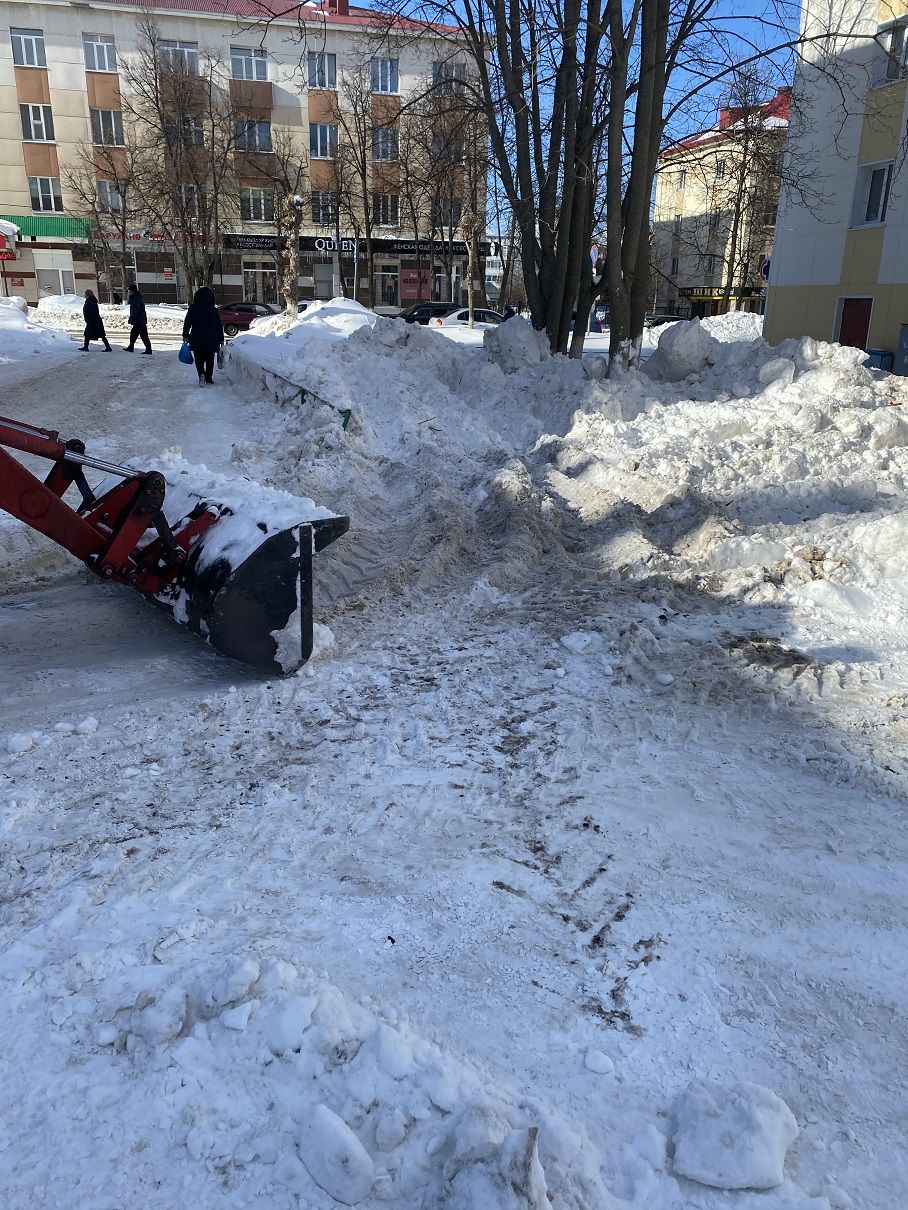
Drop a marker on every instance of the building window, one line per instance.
(714, 219)
(710, 266)
(446, 211)
(100, 52)
(720, 170)
(384, 144)
(45, 192)
(447, 148)
(256, 205)
(676, 225)
(189, 132)
(110, 200)
(769, 216)
(386, 209)
(871, 196)
(106, 127)
(252, 136)
(682, 178)
(37, 123)
(247, 64)
(448, 78)
(322, 70)
(193, 197)
(178, 58)
(324, 208)
(897, 53)
(322, 141)
(28, 47)
(384, 75)
(673, 271)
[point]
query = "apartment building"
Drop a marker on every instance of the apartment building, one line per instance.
(715, 210)
(840, 269)
(70, 73)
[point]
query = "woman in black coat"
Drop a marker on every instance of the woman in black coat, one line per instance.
(94, 324)
(203, 329)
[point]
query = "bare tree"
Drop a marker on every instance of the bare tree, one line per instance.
(101, 178)
(186, 126)
(416, 140)
(284, 175)
(351, 113)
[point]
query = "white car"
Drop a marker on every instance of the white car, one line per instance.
(459, 317)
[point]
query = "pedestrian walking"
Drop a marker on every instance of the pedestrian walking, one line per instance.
(203, 330)
(94, 324)
(138, 321)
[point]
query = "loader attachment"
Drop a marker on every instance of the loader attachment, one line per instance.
(258, 610)
(229, 559)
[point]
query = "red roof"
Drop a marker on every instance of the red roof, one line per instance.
(778, 107)
(332, 12)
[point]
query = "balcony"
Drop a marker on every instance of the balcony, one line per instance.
(252, 96)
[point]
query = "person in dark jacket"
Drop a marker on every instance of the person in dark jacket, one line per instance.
(94, 324)
(138, 321)
(203, 329)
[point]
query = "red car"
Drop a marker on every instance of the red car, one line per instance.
(236, 317)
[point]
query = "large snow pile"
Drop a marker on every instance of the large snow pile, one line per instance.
(734, 325)
(555, 849)
(325, 322)
(21, 339)
(403, 387)
(65, 311)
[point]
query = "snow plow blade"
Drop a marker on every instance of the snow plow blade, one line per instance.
(259, 610)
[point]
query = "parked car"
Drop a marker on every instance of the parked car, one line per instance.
(459, 317)
(237, 317)
(422, 312)
(656, 321)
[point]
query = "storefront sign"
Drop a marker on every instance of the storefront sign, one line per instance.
(17, 281)
(6, 253)
(711, 293)
(410, 282)
(167, 272)
(328, 245)
(253, 243)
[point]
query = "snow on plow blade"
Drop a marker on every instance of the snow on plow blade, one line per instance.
(257, 609)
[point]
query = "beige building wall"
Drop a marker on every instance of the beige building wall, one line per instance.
(71, 91)
(829, 257)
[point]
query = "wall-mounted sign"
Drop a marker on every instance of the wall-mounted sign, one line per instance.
(328, 245)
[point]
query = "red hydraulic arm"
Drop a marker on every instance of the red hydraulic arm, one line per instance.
(103, 532)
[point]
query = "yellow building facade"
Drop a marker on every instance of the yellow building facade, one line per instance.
(840, 268)
(715, 211)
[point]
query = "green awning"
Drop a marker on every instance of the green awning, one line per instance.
(50, 225)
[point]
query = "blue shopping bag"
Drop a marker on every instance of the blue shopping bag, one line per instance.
(185, 353)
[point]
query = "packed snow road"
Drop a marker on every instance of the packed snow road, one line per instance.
(545, 885)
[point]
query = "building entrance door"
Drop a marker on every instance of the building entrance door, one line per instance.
(324, 279)
(388, 285)
(854, 324)
(259, 282)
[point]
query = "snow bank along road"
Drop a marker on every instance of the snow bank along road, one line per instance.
(586, 832)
